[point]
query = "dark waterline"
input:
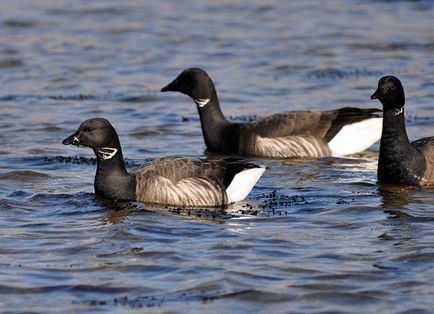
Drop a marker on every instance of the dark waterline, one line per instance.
(314, 236)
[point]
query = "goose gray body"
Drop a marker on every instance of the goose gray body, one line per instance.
(401, 162)
(298, 133)
(426, 147)
(170, 180)
(289, 134)
(190, 182)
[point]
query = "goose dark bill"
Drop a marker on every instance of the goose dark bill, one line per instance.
(72, 140)
(375, 95)
(169, 88)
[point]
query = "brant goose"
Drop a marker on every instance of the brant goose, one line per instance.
(168, 180)
(400, 161)
(291, 134)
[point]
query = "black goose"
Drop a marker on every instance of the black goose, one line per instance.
(170, 180)
(290, 134)
(400, 161)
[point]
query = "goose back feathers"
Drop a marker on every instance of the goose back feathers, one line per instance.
(306, 133)
(401, 162)
(291, 134)
(171, 180)
(191, 182)
(426, 147)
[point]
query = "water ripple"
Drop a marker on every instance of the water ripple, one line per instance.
(314, 236)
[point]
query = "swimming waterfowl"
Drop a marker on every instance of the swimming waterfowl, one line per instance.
(291, 134)
(401, 162)
(169, 180)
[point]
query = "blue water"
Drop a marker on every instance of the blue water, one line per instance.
(315, 236)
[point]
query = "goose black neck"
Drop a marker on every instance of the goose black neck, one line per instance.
(114, 164)
(219, 134)
(211, 112)
(112, 179)
(394, 131)
(399, 161)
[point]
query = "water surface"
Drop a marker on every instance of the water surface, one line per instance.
(314, 236)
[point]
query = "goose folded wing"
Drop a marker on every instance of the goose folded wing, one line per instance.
(284, 124)
(183, 182)
(424, 144)
(426, 147)
(308, 123)
(307, 133)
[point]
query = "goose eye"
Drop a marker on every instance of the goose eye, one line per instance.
(89, 129)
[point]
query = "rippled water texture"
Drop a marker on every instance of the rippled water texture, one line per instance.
(315, 235)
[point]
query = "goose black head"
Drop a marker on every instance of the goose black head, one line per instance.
(195, 83)
(390, 92)
(95, 133)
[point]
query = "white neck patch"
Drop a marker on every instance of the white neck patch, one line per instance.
(202, 102)
(106, 153)
(397, 112)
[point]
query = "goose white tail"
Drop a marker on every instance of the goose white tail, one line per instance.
(242, 183)
(356, 137)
